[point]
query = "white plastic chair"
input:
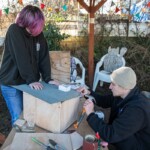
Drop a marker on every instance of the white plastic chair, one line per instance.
(79, 79)
(103, 75)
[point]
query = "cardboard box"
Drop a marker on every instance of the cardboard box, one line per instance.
(60, 66)
(23, 141)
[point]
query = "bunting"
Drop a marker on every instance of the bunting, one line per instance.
(117, 10)
(112, 4)
(20, 2)
(6, 10)
(57, 9)
(138, 15)
(42, 5)
(65, 7)
(139, 11)
(50, 9)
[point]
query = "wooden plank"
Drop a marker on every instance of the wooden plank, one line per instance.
(23, 141)
(60, 66)
(54, 117)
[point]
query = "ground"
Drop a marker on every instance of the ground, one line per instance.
(5, 121)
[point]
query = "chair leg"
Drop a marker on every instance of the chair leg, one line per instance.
(101, 83)
(95, 84)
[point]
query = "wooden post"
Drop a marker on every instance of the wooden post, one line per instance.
(91, 49)
(91, 9)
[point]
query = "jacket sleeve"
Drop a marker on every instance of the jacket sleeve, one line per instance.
(105, 101)
(20, 54)
(44, 60)
(127, 124)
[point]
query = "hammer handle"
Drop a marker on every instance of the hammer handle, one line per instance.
(76, 125)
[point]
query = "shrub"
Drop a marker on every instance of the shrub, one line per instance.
(53, 36)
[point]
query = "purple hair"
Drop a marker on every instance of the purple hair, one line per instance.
(32, 18)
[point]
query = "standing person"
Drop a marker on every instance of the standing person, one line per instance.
(129, 123)
(25, 58)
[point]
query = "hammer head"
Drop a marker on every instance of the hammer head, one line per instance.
(90, 98)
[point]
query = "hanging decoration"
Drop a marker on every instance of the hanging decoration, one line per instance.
(139, 11)
(20, 2)
(112, 4)
(42, 5)
(137, 15)
(57, 9)
(50, 9)
(143, 10)
(117, 10)
(148, 5)
(65, 7)
(6, 10)
(124, 11)
(142, 7)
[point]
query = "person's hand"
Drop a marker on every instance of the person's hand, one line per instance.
(88, 106)
(53, 82)
(104, 144)
(83, 91)
(36, 86)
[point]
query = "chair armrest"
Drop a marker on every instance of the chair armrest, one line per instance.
(98, 65)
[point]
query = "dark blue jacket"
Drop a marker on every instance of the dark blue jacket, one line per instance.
(129, 123)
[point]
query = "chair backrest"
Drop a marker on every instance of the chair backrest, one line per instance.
(112, 60)
(73, 69)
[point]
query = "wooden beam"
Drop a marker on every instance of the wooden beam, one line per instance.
(100, 4)
(84, 5)
(91, 9)
(93, 3)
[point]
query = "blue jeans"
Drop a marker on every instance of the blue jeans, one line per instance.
(14, 101)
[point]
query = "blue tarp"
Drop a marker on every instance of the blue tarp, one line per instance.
(49, 93)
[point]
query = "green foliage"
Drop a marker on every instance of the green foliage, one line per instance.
(53, 36)
(137, 56)
(55, 17)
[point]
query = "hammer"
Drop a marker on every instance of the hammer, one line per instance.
(76, 125)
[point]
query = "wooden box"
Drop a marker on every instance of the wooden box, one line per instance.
(54, 110)
(54, 117)
(60, 66)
